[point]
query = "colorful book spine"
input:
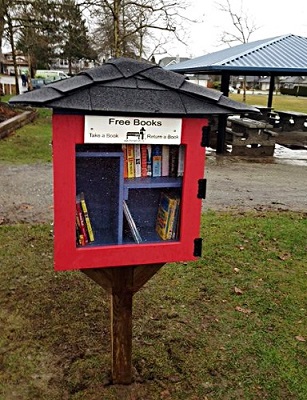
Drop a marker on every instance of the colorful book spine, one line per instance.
(137, 160)
(130, 161)
(181, 155)
(124, 148)
(166, 216)
(156, 160)
(173, 231)
(81, 223)
(143, 160)
(165, 160)
(173, 160)
(86, 218)
(79, 236)
(149, 160)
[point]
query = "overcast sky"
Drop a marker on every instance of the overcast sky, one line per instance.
(273, 17)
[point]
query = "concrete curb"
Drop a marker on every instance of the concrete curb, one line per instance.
(10, 125)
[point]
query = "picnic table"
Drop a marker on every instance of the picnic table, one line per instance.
(264, 114)
(292, 121)
(250, 137)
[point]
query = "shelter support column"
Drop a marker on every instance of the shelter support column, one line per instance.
(221, 133)
(271, 90)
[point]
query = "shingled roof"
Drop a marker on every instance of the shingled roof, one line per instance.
(126, 86)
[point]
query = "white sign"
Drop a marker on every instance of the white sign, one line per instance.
(101, 129)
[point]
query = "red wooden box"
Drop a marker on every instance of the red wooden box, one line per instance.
(98, 171)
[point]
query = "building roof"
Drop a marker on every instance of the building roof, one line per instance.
(281, 55)
(125, 86)
(166, 61)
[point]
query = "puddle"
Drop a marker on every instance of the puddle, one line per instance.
(290, 156)
(282, 155)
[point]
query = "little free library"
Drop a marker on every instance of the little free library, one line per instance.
(129, 144)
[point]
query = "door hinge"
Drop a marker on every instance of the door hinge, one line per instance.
(202, 188)
(197, 247)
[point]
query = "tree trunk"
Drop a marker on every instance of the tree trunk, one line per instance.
(11, 39)
(116, 17)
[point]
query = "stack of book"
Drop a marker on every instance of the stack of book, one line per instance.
(84, 230)
(167, 223)
(153, 160)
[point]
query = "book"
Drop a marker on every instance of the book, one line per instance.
(149, 158)
(165, 160)
(80, 221)
(181, 154)
(176, 225)
(173, 223)
(135, 233)
(79, 236)
(166, 215)
(156, 160)
(137, 160)
(143, 160)
(88, 224)
(130, 161)
(173, 160)
(124, 148)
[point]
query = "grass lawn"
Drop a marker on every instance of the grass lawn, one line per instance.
(29, 144)
(280, 102)
(231, 325)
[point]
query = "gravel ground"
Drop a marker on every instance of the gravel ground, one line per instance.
(245, 185)
(26, 191)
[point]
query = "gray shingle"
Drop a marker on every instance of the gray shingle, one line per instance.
(193, 88)
(68, 85)
(128, 86)
(106, 72)
(136, 101)
(128, 68)
(170, 80)
(80, 101)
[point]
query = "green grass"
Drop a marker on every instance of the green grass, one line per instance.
(227, 326)
(5, 98)
(280, 102)
(29, 144)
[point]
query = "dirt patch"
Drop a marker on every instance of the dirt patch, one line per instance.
(6, 112)
(26, 193)
(232, 183)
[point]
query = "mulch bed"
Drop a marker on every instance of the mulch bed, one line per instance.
(6, 112)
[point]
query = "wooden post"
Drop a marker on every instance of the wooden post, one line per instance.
(121, 325)
(122, 283)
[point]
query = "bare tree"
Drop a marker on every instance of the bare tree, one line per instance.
(243, 28)
(126, 27)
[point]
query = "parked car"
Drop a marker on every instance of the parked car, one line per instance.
(52, 75)
(37, 83)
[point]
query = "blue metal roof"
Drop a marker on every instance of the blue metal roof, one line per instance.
(281, 55)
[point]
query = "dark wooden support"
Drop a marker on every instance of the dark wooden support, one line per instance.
(271, 90)
(121, 283)
(221, 132)
(121, 325)
(225, 82)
